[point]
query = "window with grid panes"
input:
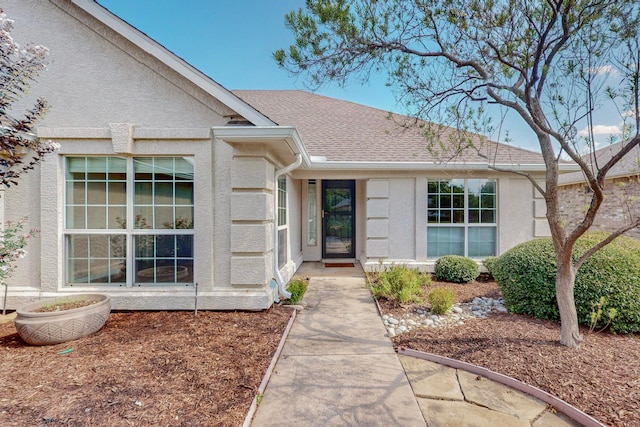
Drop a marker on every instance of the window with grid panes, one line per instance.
(461, 218)
(129, 220)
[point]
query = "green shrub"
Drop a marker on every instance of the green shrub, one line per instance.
(297, 288)
(456, 269)
(441, 300)
(400, 283)
(526, 277)
(488, 263)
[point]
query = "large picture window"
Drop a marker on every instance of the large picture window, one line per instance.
(129, 220)
(461, 218)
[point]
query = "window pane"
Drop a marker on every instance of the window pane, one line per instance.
(482, 241)
(474, 216)
(97, 217)
(144, 193)
(312, 212)
(184, 218)
(163, 217)
(184, 193)
(445, 241)
(282, 247)
(488, 202)
(164, 259)
(117, 193)
(96, 258)
(163, 193)
(97, 193)
(488, 217)
(163, 168)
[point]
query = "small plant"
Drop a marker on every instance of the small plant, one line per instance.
(441, 300)
(12, 243)
(596, 315)
(456, 269)
(259, 399)
(399, 283)
(297, 288)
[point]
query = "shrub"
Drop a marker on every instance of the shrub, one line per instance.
(441, 300)
(526, 277)
(456, 269)
(488, 263)
(297, 288)
(399, 283)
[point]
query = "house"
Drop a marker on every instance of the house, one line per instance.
(165, 179)
(622, 191)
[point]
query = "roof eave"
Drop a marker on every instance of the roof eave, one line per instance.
(261, 134)
(428, 166)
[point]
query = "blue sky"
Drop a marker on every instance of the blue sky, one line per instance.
(232, 41)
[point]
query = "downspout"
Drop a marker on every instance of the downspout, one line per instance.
(276, 270)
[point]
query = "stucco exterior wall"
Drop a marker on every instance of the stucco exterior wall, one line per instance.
(396, 218)
(96, 77)
(622, 199)
(109, 98)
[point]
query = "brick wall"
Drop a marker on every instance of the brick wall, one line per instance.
(621, 202)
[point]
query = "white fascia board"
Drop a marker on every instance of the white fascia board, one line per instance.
(289, 134)
(334, 165)
(167, 57)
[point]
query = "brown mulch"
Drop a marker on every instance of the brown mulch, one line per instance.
(601, 378)
(142, 369)
(175, 369)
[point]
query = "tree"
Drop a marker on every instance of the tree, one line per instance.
(448, 59)
(20, 148)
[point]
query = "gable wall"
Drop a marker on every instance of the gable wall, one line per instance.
(96, 77)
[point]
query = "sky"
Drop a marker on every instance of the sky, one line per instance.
(232, 41)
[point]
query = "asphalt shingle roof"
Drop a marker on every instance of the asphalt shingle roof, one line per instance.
(345, 131)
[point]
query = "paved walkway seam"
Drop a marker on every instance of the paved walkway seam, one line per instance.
(560, 405)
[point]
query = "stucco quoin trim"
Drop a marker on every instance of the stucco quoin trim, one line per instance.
(562, 406)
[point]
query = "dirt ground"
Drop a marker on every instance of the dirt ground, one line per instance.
(142, 369)
(601, 378)
(174, 369)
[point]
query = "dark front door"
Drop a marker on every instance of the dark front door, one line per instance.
(338, 219)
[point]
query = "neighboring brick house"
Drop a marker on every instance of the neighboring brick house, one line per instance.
(622, 192)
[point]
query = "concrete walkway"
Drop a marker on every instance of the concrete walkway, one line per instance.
(339, 368)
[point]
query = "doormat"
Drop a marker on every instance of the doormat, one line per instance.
(338, 264)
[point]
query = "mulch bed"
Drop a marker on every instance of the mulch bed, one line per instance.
(142, 369)
(601, 378)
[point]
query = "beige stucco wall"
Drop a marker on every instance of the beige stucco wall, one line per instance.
(102, 90)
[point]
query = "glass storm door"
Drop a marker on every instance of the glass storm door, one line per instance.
(338, 219)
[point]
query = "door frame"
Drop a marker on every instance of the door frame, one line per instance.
(339, 183)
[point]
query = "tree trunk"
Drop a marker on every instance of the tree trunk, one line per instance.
(565, 283)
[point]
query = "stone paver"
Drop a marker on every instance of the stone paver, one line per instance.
(549, 419)
(444, 413)
(499, 397)
(431, 380)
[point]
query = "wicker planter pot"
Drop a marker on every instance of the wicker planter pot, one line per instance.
(65, 325)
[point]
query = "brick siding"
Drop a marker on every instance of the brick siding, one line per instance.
(621, 202)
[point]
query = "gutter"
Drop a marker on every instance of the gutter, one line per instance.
(276, 270)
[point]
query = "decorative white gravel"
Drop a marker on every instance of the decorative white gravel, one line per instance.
(479, 308)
